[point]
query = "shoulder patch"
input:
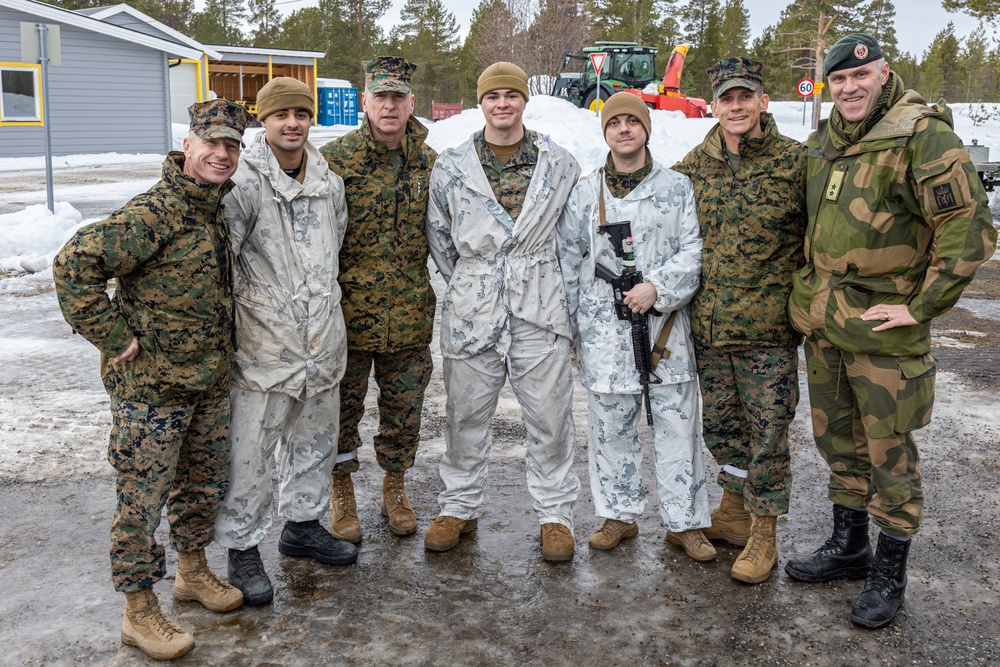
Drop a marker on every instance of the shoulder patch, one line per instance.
(947, 196)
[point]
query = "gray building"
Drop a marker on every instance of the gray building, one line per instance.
(111, 94)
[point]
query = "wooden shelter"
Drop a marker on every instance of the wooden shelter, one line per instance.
(241, 71)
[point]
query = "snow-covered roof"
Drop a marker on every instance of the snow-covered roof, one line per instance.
(84, 22)
(101, 13)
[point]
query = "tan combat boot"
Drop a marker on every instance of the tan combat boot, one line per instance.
(761, 554)
(445, 531)
(557, 542)
(730, 521)
(196, 583)
(611, 533)
(695, 544)
(396, 506)
(345, 511)
(147, 628)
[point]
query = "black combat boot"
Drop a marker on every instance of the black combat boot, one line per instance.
(308, 538)
(883, 594)
(846, 555)
(246, 572)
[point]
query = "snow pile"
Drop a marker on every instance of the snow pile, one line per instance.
(30, 238)
(579, 131)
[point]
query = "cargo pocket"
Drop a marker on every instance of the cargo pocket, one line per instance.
(915, 397)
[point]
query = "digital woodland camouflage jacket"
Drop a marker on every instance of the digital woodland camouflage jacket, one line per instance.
(752, 223)
(286, 235)
(874, 211)
(496, 267)
(169, 251)
(388, 302)
(667, 242)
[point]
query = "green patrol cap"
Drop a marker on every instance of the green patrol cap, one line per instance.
(854, 50)
(219, 119)
(736, 73)
(391, 74)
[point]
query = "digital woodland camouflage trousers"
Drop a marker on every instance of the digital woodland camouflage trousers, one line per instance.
(176, 455)
(863, 410)
(750, 394)
(402, 378)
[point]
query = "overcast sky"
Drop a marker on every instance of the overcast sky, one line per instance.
(917, 21)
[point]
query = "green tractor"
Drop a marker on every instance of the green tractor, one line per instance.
(627, 65)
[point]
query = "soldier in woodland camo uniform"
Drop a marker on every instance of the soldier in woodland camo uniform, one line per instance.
(491, 222)
(388, 302)
(749, 181)
(898, 224)
(166, 342)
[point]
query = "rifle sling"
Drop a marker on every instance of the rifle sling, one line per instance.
(660, 350)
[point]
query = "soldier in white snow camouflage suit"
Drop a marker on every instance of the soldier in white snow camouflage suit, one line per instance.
(491, 224)
(660, 205)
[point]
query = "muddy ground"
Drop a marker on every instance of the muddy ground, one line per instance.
(493, 600)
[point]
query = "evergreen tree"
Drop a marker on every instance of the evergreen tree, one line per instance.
(980, 76)
(985, 10)
(734, 35)
(428, 36)
(880, 23)
(353, 36)
(176, 14)
(905, 65)
(941, 72)
(265, 20)
(702, 32)
(219, 23)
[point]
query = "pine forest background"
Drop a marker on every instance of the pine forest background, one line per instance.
(534, 34)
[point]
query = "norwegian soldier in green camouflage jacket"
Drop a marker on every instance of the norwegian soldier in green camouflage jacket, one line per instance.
(898, 224)
(166, 342)
(388, 301)
(749, 182)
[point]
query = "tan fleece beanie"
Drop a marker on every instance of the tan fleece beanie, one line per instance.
(623, 102)
(502, 76)
(284, 92)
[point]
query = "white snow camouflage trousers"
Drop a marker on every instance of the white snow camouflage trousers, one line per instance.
(539, 366)
(302, 436)
(615, 456)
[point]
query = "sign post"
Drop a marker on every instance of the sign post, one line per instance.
(804, 88)
(48, 53)
(597, 59)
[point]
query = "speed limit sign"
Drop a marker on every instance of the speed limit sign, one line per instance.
(805, 87)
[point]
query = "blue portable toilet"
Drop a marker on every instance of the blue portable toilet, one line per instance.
(338, 102)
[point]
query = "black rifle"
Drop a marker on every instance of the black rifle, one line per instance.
(620, 235)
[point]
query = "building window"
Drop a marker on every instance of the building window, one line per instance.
(20, 94)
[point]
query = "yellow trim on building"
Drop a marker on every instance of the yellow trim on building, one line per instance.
(203, 83)
(41, 101)
(315, 95)
(270, 71)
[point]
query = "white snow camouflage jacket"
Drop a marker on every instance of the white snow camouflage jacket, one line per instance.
(290, 331)
(667, 242)
(495, 267)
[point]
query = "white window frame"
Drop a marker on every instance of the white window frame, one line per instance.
(36, 72)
